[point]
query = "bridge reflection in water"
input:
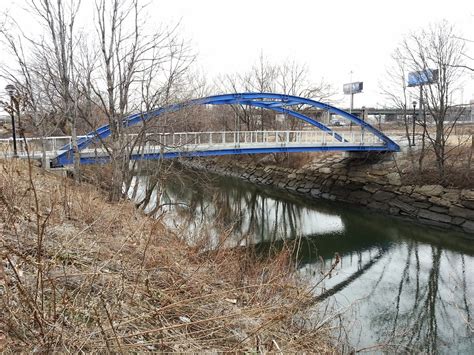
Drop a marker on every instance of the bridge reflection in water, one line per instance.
(401, 287)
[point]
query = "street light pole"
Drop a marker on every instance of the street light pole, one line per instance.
(11, 91)
(413, 121)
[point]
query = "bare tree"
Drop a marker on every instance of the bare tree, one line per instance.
(436, 48)
(289, 77)
(45, 73)
(56, 58)
(436, 51)
(294, 79)
(136, 69)
(28, 84)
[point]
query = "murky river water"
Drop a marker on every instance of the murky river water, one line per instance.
(398, 286)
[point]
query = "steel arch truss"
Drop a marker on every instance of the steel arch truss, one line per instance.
(280, 103)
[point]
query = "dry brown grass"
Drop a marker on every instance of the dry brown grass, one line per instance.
(79, 274)
(458, 170)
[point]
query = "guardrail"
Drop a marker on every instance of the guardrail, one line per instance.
(195, 140)
(254, 137)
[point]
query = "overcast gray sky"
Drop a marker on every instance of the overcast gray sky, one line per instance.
(332, 37)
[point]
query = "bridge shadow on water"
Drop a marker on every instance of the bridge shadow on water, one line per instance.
(405, 287)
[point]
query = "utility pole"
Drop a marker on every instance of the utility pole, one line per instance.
(471, 106)
(413, 127)
(352, 97)
(352, 89)
(11, 90)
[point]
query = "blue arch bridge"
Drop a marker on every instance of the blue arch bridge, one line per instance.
(315, 137)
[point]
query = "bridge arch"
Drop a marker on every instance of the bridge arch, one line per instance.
(276, 102)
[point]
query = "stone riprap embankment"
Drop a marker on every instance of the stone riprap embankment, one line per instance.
(377, 186)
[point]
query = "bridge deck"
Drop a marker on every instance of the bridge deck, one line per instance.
(168, 145)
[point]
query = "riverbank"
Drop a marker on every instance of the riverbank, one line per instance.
(81, 274)
(376, 185)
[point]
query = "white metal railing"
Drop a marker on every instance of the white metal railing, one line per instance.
(153, 142)
(255, 137)
(34, 145)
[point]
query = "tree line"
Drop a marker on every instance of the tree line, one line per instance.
(72, 79)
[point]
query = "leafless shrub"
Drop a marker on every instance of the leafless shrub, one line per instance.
(80, 274)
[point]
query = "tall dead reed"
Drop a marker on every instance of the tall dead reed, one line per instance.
(80, 274)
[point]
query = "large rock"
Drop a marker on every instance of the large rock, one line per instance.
(468, 226)
(451, 195)
(309, 185)
(372, 188)
(439, 209)
(440, 202)
(429, 190)
(405, 198)
(403, 206)
(378, 172)
(340, 192)
(394, 179)
(468, 204)
(461, 212)
(383, 196)
(418, 196)
(327, 196)
(433, 216)
(434, 223)
(394, 211)
(458, 221)
(467, 195)
(379, 206)
(424, 205)
(407, 189)
(358, 196)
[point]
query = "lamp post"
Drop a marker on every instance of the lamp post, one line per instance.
(11, 90)
(413, 121)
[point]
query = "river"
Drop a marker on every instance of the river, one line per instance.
(399, 286)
